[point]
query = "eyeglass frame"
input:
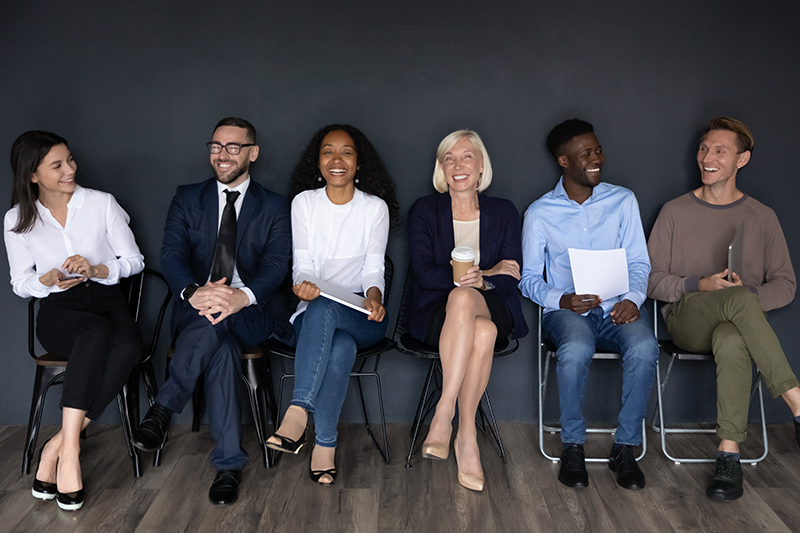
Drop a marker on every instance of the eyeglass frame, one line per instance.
(210, 144)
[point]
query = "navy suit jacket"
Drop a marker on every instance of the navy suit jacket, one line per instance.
(263, 241)
(430, 238)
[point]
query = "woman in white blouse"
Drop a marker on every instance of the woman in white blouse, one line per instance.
(343, 201)
(70, 246)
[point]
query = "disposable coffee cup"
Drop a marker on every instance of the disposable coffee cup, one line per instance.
(463, 259)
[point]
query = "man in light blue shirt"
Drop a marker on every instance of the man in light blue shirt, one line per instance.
(581, 212)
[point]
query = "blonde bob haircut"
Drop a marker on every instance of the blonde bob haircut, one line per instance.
(439, 181)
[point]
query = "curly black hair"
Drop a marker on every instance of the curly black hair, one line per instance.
(565, 132)
(373, 178)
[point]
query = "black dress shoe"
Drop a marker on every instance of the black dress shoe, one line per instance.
(152, 432)
(573, 467)
(70, 501)
(225, 488)
(623, 462)
(727, 482)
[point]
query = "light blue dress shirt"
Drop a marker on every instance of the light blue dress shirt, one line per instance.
(607, 220)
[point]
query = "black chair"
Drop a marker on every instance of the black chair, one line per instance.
(547, 352)
(432, 388)
(50, 369)
(360, 369)
(677, 354)
(257, 379)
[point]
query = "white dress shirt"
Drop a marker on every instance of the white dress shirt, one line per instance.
(341, 244)
(96, 228)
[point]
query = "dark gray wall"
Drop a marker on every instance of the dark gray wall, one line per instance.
(136, 88)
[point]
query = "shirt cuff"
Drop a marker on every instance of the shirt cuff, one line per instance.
(753, 289)
(635, 297)
(692, 284)
(113, 274)
(553, 298)
(250, 295)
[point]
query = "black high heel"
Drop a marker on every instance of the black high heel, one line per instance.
(316, 475)
(289, 445)
(42, 490)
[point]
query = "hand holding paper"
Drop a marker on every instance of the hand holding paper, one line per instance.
(600, 272)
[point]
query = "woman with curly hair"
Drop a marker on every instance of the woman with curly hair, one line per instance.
(344, 200)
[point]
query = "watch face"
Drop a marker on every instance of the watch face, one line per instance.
(189, 291)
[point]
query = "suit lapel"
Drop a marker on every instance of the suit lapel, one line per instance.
(445, 215)
(250, 206)
(211, 211)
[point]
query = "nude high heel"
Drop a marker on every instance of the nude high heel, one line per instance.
(470, 481)
(436, 450)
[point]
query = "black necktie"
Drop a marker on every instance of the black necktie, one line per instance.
(225, 251)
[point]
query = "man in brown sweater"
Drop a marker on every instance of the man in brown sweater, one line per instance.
(709, 310)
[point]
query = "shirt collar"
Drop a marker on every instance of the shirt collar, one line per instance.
(599, 190)
(78, 196)
(241, 188)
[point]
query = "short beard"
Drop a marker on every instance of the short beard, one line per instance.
(231, 176)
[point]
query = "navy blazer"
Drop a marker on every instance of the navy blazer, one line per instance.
(263, 240)
(430, 239)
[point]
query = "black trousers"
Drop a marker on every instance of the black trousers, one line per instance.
(90, 325)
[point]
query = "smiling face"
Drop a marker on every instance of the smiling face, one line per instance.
(232, 170)
(338, 160)
(582, 158)
(718, 158)
(56, 173)
(462, 166)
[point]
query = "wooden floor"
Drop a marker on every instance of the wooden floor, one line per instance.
(523, 495)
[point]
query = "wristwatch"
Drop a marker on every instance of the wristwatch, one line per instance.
(189, 291)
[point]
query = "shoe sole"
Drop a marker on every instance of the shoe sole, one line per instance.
(278, 448)
(573, 485)
(42, 495)
(724, 497)
(434, 457)
(70, 506)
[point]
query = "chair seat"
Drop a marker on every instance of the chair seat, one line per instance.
(248, 352)
(49, 359)
(278, 348)
(417, 348)
(672, 349)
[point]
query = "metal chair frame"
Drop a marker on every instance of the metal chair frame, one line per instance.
(410, 346)
(677, 354)
(549, 350)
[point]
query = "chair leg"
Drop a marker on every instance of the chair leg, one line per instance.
(151, 387)
(491, 431)
(383, 450)
(252, 373)
(420, 416)
(40, 389)
(198, 403)
(125, 401)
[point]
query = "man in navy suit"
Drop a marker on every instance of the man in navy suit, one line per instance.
(226, 248)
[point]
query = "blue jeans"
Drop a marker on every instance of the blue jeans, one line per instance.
(328, 335)
(577, 337)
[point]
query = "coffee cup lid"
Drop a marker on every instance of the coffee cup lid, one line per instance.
(463, 253)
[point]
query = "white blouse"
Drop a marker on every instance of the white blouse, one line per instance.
(96, 228)
(340, 244)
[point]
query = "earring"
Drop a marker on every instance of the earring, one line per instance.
(319, 178)
(356, 177)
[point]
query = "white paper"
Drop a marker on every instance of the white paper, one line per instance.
(600, 272)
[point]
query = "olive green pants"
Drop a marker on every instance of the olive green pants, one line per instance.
(730, 324)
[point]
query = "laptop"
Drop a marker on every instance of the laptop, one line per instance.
(336, 293)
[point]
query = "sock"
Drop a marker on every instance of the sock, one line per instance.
(565, 445)
(736, 455)
(797, 419)
(616, 447)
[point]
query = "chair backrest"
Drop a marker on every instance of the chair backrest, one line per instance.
(132, 289)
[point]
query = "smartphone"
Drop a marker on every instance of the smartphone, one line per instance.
(65, 276)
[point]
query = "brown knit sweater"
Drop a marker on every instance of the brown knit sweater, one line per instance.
(690, 240)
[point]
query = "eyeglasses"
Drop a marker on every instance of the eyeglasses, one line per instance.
(231, 148)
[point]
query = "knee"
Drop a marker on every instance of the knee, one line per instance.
(485, 332)
(576, 351)
(97, 329)
(462, 299)
(742, 299)
(643, 350)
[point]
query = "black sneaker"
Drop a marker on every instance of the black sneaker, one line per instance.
(573, 467)
(727, 482)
